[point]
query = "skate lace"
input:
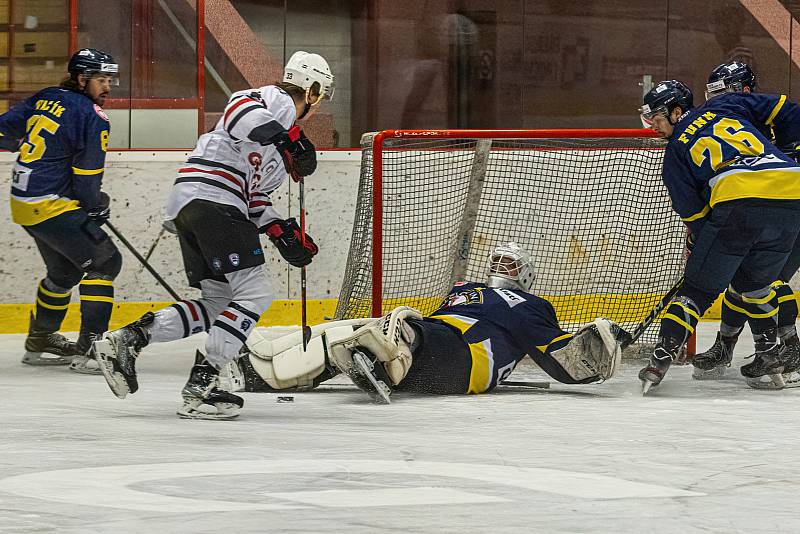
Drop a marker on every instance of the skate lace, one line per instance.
(57, 340)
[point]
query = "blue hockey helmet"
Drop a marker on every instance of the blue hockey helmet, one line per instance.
(89, 62)
(731, 77)
(665, 97)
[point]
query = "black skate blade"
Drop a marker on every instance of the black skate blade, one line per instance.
(361, 375)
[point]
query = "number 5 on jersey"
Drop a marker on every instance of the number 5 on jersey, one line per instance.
(34, 146)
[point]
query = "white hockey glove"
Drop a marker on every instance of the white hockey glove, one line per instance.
(388, 339)
(595, 351)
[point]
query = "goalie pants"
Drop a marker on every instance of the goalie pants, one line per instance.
(223, 257)
(442, 361)
(75, 251)
(746, 244)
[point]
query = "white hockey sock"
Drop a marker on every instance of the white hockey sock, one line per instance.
(182, 319)
(229, 333)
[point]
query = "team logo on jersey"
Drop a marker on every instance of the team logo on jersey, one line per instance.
(255, 160)
(216, 264)
(246, 323)
(463, 298)
(234, 259)
(101, 113)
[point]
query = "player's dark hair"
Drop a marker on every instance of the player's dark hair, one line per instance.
(70, 83)
(296, 91)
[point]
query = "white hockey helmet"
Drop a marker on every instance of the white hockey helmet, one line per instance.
(510, 267)
(305, 69)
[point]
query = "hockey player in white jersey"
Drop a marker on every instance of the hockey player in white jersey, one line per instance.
(218, 205)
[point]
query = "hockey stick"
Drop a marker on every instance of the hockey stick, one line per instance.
(303, 298)
(142, 260)
(631, 337)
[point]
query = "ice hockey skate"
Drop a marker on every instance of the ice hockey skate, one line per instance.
(202, 396)
(653, 374)
(116, 355)
(363, 375)
(711, 364)
(774, 367)
(47, 348)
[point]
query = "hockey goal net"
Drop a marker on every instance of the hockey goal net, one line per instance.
(589, 206)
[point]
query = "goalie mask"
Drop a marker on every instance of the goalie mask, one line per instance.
(510, 267)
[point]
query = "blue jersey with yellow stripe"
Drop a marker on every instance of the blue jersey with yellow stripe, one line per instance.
(64, 137)
(500, 326)
(717, 153)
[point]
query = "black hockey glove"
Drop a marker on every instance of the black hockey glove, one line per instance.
(298, 152)
(102, 211)
(287, 237)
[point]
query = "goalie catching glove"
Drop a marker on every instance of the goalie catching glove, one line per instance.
(298, 152)
(593, 354)
(286, 235)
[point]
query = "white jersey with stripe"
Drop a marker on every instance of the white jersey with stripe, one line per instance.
(227, 167)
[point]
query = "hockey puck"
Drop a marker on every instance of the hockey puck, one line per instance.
(286, 399)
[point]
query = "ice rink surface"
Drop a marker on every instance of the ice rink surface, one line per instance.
(690, 457)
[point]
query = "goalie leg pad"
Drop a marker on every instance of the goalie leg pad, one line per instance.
(292, 367)
(593, 354)
(389, 339)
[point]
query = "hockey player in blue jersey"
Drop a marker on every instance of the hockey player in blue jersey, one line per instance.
(61, 134)
(472, 342)
(740, 197)
(737, 77)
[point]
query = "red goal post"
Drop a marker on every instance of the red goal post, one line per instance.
(610, 206)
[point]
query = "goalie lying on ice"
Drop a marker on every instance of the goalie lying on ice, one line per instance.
(473, 341)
